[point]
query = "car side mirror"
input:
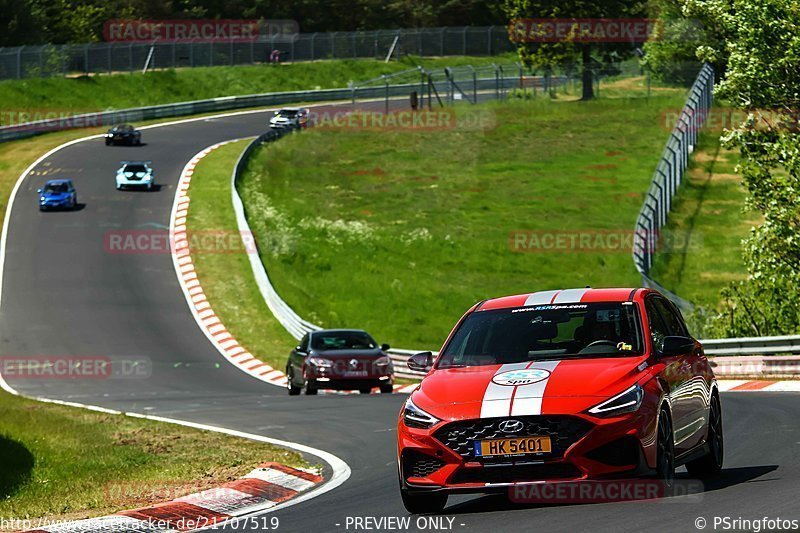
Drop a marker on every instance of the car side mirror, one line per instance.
(421, 362)
(385, 347)
(299, 350)
(676, 345)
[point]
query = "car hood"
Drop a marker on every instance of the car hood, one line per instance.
(348, 354)
(55, 195)
(566, 386)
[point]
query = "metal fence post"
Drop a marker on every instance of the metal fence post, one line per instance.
(386, 82)
(313, 45)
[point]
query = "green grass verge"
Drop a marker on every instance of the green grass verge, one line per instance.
(117, 91)
(67, 463)
(710, 207)
(399, 232)
(227, 278)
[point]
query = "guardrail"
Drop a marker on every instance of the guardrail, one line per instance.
(228, 103)
(753, 345)
(647, 235)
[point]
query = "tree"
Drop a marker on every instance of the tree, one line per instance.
(761, 50)
(576, 47)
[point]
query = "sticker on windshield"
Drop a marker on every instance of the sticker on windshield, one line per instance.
(608, 315)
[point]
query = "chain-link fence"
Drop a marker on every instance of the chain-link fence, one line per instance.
(667, 178)
(74, 59)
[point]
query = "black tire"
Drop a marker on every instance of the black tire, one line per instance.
(711, 463)
(290, 386)
(108, 143)
(423, 502)
(387, 388)
(311, 389)
(365, 390)
(665, 450)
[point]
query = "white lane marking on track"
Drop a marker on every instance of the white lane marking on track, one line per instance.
(340, 469)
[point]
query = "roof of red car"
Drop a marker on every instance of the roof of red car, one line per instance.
(560, 296)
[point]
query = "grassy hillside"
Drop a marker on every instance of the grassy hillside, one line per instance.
(96, 93)
(399, 232)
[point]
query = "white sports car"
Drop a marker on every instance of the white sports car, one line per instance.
(135, 174)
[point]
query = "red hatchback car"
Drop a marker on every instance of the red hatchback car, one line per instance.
(559, 386)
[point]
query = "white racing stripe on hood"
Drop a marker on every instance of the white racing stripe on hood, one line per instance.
(528, 398)
(497, 398)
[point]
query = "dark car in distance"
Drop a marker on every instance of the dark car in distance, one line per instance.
(123, 134)
(339, 359)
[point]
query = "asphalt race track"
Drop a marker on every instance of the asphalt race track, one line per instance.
(64, 294)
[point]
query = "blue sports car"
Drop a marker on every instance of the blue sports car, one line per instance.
(58, 194)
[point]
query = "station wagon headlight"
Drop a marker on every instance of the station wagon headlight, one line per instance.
(415, 417)
(627, 401)
(383, 361)
(320, 362)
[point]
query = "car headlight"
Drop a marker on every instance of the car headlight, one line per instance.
(627, 401)
(383, 361)
(320, 362)
(415, 417)
(42, 198)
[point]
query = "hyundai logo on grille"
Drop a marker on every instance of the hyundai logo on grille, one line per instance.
(510, 426)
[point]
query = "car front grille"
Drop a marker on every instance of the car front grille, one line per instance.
(417, 464)
(563, 431)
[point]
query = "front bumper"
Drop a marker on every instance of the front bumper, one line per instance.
(145, 182)
(583, 448)
(55, 204)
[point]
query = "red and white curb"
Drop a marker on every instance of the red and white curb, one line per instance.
(743, 385)
(203, 313)
(260, 490)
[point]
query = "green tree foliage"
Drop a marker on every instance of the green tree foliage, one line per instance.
(569, 52)
(62, 21)
(761, 49)
(672, 57)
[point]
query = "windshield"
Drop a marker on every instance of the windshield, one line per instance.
(135, 168)
(122, 128)
(56, 188)
(342, 340)
(287, 113)
(543, 332)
